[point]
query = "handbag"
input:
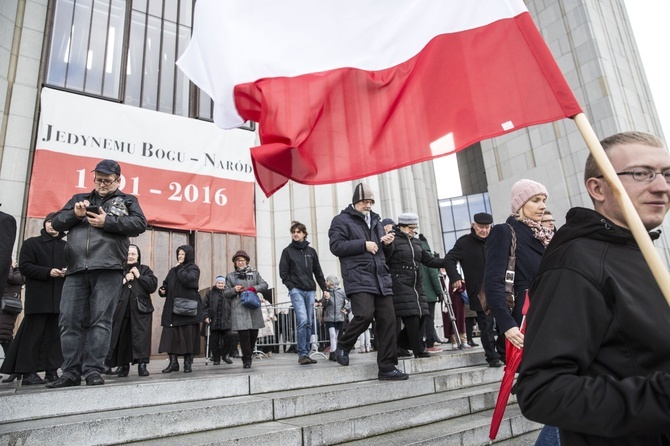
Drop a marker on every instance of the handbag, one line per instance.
(11, 305)
(185, 307)
(509, 278)
(250, 300)
(144, 304)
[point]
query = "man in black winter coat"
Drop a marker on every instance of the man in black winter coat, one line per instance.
(358, 239)
(596, 360)
(470, 253)
(7, 239)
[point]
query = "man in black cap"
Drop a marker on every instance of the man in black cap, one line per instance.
(469, 252)
(358, 239)
(99, 224)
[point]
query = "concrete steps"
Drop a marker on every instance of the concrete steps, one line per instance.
(273, 403)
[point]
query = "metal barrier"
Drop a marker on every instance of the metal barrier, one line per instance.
(284, 331)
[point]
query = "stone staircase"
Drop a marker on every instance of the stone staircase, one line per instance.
(447, 400)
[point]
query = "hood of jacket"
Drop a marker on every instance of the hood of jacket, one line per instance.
(189, 256)
(582, 222)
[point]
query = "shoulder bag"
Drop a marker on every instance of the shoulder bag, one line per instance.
(509, 278)
(185, 307)
(11, 305)
(250, 300)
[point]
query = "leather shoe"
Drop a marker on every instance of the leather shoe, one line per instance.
(246, 364)
(94, 379)
(227, 359)
(393, 375)
(32, 378)
(332, 357)
(51, 376)
(124, 370)
(423, 354)
(342, 356)
(63, 381)
(496, 363)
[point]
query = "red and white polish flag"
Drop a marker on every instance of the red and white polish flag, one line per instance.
(351, 88)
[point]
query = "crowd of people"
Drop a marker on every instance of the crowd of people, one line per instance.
(589, 356)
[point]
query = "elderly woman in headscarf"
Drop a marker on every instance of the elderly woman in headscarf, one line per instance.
(37, 343)
(182, 312)
(246, 321)
(131, 324)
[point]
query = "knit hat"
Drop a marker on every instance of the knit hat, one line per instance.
(483, 218)
(220, 279)
(333, 279)
(408, 218)
(243, 254)
(524, 190)
(387, 221)
(362, 192)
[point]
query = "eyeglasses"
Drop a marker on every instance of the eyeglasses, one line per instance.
(644, 175)
(106, 182)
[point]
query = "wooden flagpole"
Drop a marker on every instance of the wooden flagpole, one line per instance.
(630, 214)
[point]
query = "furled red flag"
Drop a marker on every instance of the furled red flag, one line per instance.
(351, 88)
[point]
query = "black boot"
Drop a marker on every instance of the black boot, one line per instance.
(173, 366)
(11, 378)
(227, 359)
(124, 370)
(32, 378)
(142, 369)
(188, 360)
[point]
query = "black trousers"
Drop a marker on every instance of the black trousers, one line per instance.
(428, 327)
(491, 350)
(365, 307)
(220, 343)
(247, 342)
(410, 336)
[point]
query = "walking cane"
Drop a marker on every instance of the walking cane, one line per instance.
(207, 347)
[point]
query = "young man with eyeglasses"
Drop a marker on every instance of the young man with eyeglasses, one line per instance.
(98, 224)
(596, 360)
(548, 220)
(298, 266)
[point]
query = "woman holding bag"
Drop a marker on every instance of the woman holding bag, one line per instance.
(131, 324)
(182, 313)
(245, 320)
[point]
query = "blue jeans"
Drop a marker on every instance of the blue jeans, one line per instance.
(86, 309)
(303, 305)
(548, 437)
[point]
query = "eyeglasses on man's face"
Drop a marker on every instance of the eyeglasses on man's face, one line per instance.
(644, 174)
(104, 181)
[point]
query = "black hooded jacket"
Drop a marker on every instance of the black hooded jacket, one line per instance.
(596, 360)
(181, 281)
(299, 265)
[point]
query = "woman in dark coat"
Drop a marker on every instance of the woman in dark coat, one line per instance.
(244, 320)
(180, 334)
(37, 343)
(409, 299)
(528, 205)
(217, 314)
(131, 325)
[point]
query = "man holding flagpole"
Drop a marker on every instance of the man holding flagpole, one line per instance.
(596, 359)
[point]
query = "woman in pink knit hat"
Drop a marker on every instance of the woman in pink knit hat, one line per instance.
(528, 205)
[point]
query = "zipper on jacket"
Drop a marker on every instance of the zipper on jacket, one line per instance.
(416, 274)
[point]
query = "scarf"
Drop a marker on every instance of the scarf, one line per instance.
(541, 233)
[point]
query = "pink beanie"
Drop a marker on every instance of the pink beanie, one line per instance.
(524, 190)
